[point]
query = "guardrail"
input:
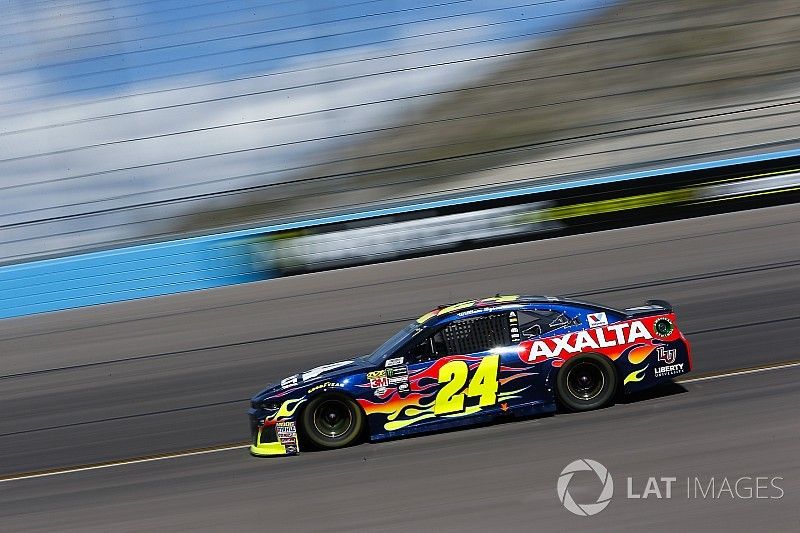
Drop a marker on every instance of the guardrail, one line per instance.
(397, 231)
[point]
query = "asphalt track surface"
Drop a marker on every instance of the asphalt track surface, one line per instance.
(170, 374)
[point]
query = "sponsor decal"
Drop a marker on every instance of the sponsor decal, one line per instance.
(513, 322)
(597, 320)
(287, 435)
(285, 429)
(378, 379)
(393, 376)
(327, 384)
(379, 383)
(636, 375)
(397, 380)
(666, 356)
(575, 342)
(663, 327)
(394, 361)
(670, 370)
(397, 372)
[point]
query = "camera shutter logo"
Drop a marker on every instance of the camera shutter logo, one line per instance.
(586, 509)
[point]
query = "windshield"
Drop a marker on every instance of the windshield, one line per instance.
(394, 342)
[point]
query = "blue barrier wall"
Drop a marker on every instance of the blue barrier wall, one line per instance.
(218, 260)
(125, 274)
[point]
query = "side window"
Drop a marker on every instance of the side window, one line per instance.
(465, 336)
(429, 348)
(477, 334)
(535, 323)
(432, 347)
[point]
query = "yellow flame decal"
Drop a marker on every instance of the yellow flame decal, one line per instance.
(636, 375)
(409, 408)
(397, 424)
(467, 304)
(471, 410)
(287, 409)
(457, 307)
(427, 316)
(503, 396)
(502, 299)
(411, 411)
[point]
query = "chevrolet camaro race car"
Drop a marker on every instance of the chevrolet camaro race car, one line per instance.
(470, 362)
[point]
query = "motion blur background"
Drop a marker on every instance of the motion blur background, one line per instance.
(132, 120)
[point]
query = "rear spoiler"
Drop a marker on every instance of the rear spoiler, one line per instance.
(651, 307)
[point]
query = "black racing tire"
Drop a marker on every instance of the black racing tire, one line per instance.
(586, 382)
(332, 420)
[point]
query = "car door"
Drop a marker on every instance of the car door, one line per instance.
(457, 366)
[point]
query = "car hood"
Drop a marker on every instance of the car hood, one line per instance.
(309, 377)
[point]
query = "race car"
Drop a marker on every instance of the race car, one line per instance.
(470, 362)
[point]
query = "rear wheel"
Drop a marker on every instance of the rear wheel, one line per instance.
(586, 382)
(332, 421)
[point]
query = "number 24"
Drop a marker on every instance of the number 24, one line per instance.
(454, 376)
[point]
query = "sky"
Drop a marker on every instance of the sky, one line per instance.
(106, 105)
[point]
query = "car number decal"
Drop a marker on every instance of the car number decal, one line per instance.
(453, 377)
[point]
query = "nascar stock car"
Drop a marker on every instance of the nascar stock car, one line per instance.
(470, 362)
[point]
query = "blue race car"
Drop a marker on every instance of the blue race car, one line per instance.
(470, 362)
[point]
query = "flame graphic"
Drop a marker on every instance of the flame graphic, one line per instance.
(503, 381)
(287, 409)
(510, 395)
(399, 424)
(639, 353)
(636, 375)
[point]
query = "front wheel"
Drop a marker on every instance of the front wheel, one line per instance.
(332, 421)
(586, 382)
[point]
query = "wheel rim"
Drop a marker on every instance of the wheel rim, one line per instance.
(585, 380)
(333, 418)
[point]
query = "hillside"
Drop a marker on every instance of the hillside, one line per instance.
(601, 96)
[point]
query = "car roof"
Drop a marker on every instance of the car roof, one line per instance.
(444, 311)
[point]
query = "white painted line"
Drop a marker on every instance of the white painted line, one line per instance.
(241, 447)
(125, 462)
(739, 373)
